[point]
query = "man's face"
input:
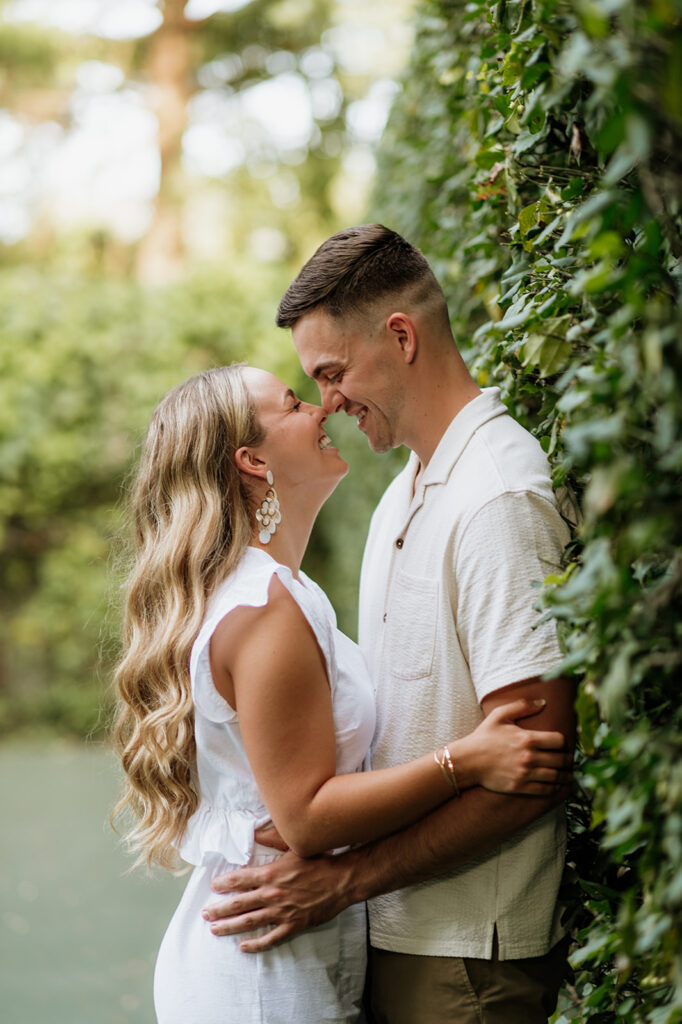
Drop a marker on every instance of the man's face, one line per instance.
(355, 373)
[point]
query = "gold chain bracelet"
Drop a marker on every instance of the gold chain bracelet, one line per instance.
(445, 764)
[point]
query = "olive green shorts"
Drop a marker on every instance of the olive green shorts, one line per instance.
(407, 989)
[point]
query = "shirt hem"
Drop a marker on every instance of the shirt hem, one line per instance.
(464, 949)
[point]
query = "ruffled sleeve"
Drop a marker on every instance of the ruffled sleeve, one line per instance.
(249, 586)
(220, 830)
(207, 700)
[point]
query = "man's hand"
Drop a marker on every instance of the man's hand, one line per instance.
(290, 894)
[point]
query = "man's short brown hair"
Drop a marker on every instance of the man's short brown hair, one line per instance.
(352, 269)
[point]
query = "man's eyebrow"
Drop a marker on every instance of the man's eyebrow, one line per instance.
(323, 367)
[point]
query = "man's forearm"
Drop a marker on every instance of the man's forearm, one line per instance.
(290, 895)
(456, 833)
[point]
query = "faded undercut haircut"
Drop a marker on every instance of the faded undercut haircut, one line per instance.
(353, 269)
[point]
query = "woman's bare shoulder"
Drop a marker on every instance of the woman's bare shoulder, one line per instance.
(247, 628)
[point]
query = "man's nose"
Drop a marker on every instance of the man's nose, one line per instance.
(332, 399)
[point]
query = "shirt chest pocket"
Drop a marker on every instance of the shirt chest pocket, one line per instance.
(411, 626)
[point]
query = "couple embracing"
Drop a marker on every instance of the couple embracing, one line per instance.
(242, 706)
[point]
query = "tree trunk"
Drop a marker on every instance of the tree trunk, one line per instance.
(161, 255)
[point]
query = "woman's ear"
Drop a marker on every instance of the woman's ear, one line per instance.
(248, 462)
(403, 330)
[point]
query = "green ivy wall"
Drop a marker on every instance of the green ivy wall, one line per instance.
(535, 155)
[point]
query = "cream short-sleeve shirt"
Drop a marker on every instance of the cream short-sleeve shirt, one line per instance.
(447, 617)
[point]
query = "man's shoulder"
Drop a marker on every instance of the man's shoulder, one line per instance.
(502, 457)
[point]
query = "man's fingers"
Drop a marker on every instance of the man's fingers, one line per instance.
(243, 923)
(267, 941)
(233, 907)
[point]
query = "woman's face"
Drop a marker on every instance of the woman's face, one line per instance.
(296, 448)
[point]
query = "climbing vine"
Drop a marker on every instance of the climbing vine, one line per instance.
(535, 155)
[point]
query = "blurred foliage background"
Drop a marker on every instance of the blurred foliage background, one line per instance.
(166, 172)
(161, 188)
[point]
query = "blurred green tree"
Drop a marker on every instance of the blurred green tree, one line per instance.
(251, 111)
(82, 369)
(88, 346)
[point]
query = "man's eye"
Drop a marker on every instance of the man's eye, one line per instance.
(334, 378)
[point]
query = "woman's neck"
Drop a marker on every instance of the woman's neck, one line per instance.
(287, 545)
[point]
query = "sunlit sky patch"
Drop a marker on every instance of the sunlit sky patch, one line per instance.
(121, 19)
(114, 19)
(104, 168)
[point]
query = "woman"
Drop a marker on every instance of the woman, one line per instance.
(241, 702)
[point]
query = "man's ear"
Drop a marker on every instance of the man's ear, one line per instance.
(403, 330)
(249, 462)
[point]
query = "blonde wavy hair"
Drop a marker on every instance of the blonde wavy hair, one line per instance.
(192, 524)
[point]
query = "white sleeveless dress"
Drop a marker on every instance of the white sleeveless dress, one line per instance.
(318, 976)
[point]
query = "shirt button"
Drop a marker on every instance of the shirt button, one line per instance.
(384, 616)
(399, 543)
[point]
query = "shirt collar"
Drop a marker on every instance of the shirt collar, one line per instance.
(475, 413)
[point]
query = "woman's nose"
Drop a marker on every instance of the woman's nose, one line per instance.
(319, 413)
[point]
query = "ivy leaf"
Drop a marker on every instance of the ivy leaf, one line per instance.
(547, 352)
(528, 218)
(590, 208)
(634, 149)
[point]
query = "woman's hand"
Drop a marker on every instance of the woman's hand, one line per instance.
(509, 759)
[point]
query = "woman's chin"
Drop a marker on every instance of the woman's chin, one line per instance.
(343, 467)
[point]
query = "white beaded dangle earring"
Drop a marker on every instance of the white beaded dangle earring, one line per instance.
(268, 515)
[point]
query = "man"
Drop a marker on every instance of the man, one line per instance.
(464, 923)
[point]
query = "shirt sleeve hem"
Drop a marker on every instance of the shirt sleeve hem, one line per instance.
(516, 674)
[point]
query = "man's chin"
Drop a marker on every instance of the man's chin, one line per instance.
(379, 445)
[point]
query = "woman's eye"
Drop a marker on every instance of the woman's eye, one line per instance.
(297, 405)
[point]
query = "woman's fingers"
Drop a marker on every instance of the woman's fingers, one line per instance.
(524, 707)
(551, 776)
(546, 740)
(539, 779)
(541, 789)
(542, 758)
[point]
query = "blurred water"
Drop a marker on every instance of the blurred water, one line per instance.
(78, 938)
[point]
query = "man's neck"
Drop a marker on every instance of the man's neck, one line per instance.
(434, 413)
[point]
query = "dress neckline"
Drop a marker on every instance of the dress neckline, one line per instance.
(301, 579)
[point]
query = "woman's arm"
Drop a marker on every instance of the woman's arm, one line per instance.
(267, 664)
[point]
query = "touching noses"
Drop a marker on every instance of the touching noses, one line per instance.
(321, 414)
(317, 412)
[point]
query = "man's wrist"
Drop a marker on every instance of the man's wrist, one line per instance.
(358, 880)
